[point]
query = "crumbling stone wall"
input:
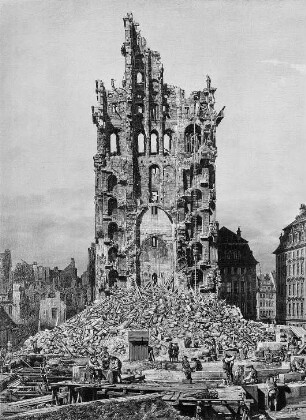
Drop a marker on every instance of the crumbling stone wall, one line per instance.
(156, 151)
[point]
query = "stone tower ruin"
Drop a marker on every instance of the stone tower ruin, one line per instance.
(155, 196)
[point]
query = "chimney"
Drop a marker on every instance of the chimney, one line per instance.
(239, 233)
(302, 209)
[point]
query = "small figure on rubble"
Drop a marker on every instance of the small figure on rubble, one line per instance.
(114, 373)
(187, 342)
(105, 362)
(228, 364)
(175, 352)
(170, 352)
(186, 369)
(196, 365)
(272, 392)
(151, 356)
(252, 377)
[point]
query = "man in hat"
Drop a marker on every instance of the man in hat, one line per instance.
(114, 373)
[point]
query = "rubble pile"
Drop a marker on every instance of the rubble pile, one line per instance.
(170, 315)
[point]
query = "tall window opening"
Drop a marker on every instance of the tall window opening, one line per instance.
(112, 207)
(192, 138)
(167, 143)
(112, 231)
(154, 241)
(196, 199)
(139, 77)
(111, 183)
(113, 144)
(153, 143)
(141, 143)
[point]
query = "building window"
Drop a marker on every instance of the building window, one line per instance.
(139, 78)
(54, 313)
(113, 144)
(111, 183)
(153, 143)
(289, 290)
(10, 309)
(167, 143)
(293, 309)
(154, 210)
(192, 138)
(289, 309)
(112, 207)
(154, 196)
(302, 268)
(302, 309)
(154, 241)
(141, 143)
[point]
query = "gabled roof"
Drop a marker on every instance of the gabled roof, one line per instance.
(227, 236)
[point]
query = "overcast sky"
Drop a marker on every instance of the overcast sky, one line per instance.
(51, 53)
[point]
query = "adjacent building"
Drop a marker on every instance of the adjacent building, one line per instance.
(155, 192)
(266, 298)
(290, 272)
(238, 272)
(5, 274)
(52, 311)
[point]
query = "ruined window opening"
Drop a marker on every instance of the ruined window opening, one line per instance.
(111, 183)
(112, 231)
(140, 109)
(192, 138)
(196, 199)
(167, 143)
(153, 143)
(139, 77)
(141, 143)
(154, 196)
(54, 313)
(196, 225)
(154, 113)
(154, 210)
(113, 144)
(112, 207)
(154, 279)
(112, 254)
(154, 241)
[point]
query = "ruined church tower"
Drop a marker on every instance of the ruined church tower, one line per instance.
(155, 197)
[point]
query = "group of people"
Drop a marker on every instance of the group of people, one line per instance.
(238, 377)
(173, 352)
(105, 367)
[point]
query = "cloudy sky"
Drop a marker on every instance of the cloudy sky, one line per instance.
(51, 52)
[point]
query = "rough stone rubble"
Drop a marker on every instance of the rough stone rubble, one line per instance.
(170, 315)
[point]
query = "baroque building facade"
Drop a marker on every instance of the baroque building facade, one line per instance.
(155, 193)
(290, 272)
(266, 297)
(238, 271)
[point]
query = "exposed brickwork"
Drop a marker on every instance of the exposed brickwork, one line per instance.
(155, 175)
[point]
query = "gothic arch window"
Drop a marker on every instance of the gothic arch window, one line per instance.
(112, 231)
(153, 143)
(196, 199)
(141, 144)
(197, 251)
(139, 77)
(196, 278)
(192, 138)
(167, 143)
(196, 225)
(154, 182)
(112, 207)
(111, 183)
(154, 112)
(114, 144)
(112, 254)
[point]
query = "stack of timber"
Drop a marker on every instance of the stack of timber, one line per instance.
(169, 315)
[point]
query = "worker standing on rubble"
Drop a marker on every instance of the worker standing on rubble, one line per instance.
(228, 364)
(105, 362)
(170, 352)
(186, 369)
(175, 352)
